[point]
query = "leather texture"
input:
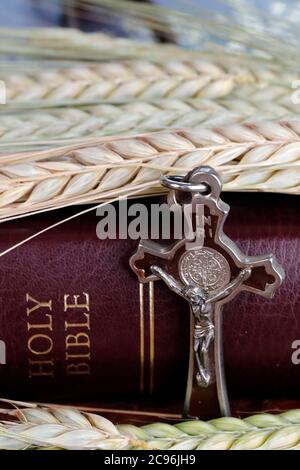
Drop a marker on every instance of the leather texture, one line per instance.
(70, 259)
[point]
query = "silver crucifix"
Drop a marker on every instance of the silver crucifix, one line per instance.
(207, 274)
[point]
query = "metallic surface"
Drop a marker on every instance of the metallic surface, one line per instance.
(223, 272)
(205, 268)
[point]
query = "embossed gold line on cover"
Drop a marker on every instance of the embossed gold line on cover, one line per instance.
(142, 338)
(151, 323)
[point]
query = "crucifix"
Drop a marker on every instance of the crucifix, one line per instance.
(207, 269)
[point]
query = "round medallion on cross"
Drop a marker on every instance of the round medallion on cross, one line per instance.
(205, 268)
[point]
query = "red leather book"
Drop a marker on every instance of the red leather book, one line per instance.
(75, 324)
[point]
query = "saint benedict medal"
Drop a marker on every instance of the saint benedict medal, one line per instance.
(207, 269)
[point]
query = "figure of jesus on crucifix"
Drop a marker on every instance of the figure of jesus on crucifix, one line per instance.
(201, 304)
(207, 271)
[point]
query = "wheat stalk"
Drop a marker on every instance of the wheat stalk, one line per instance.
(74, 123)
(67, 428)
(258, 156)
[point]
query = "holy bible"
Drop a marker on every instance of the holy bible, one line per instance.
(75, 324)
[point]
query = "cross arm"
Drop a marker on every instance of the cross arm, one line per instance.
(243, 275)
(169, 280)
(150, 253)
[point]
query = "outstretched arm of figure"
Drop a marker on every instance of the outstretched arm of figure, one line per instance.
(243, 275)
(168, 279)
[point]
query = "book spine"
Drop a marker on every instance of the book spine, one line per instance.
(76, 325)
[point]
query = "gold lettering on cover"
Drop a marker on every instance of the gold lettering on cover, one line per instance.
(47, 326)
(74, 340)
(38, 351)
(85, 306)
(86, 324)
(78, 356)
(78, 369)
(41, 368)
(37, 305)
(77, 342)
(40, 319)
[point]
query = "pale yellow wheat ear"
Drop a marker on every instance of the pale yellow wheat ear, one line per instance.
(119, 82)
(68, 43)
(200, 76)
(62, 125)
(195, 23)
(60, 427)
(262, 156)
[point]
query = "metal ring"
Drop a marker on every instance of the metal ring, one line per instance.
(178, 183)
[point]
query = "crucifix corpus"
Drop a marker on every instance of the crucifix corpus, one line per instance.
(207, 270)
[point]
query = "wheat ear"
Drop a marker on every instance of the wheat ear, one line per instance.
(57, 88)
(68, 43)
(74, 123)
(62, 43)
(136, 79)
(118, 81)
(213, 61)
(202, 25)
(67, 428)
(261, 156)
(134, 57)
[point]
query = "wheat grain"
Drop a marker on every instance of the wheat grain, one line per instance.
(67, 428)
(262, 156)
